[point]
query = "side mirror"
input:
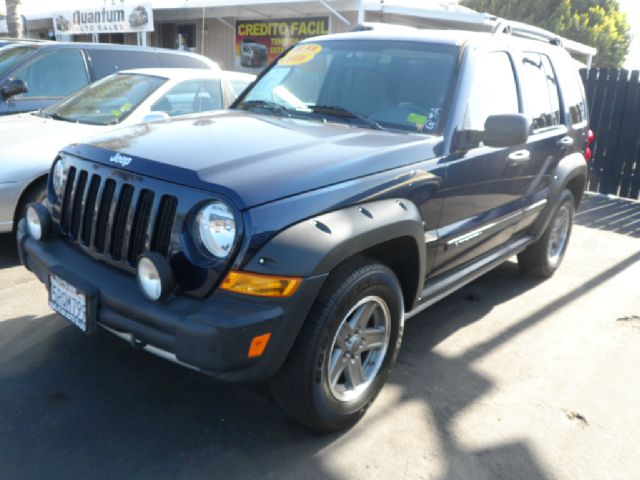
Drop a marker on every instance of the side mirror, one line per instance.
(13, 87)
(507, 130)
(155, 117)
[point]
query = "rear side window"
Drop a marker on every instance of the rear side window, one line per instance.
(192, 96)
(54, 74)
(108, 61)
(493, 91)
(237, 86)
(540, 91)
(572, 92)
(169, 60)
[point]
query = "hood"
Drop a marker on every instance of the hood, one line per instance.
(255, 158)
(29, 143)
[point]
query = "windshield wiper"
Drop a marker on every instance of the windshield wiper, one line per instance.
(267, 105)
(55, 116)
(341, 112)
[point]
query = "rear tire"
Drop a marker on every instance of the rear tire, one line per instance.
(346, 348)
(543, 257)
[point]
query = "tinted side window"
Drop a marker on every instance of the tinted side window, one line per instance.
(540, 91)
(55, 74)
(572, 92)
(106, 62)
(11, 56)
(493, 91)
(552, 88)
(169, 60)
(237, 86)
(191, 97)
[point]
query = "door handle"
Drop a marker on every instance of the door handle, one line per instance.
(565, 142)
(519, 156)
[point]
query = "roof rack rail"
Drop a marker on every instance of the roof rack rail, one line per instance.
(379, 26)
(522, 30)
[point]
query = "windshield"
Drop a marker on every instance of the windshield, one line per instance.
(108, 101)
(396, 85)
(10, 56)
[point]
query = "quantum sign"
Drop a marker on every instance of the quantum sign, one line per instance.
(115, 19)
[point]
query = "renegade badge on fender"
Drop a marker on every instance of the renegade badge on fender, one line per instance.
(362, 178)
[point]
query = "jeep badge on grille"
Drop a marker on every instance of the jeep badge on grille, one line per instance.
(120, 159)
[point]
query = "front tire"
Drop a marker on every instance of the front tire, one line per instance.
(345, 350)
(543, 257)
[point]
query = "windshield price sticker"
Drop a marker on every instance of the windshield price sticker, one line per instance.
(301, 54)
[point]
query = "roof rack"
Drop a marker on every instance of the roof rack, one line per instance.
(379, 26)
(522, 30)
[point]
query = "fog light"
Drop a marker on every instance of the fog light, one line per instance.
(155, 277)
(38, 221)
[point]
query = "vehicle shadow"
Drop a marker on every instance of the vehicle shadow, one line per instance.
(121, 411)
(617, 215)
(92, 406)
(8, 251)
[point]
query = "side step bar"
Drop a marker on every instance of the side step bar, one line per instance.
(438, 290)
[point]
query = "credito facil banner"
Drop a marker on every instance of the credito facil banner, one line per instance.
(259, 42)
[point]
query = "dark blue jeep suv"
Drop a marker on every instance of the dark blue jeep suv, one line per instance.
(362, 178)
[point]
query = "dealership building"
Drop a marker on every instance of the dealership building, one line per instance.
(243, 35)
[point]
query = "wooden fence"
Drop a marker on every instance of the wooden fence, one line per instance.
(614, 105)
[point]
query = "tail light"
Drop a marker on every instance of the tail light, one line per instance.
(588, 154)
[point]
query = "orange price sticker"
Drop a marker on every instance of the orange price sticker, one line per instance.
(301, 54)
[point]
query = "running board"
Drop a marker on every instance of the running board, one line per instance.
(437, 291)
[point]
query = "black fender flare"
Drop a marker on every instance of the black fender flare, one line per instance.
(317, 245)
(570, 168)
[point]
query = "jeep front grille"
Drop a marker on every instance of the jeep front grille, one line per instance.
(114, 219)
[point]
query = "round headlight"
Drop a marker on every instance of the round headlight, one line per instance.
(155, 277)
(59, 176)
(38, 221)
(216, 228)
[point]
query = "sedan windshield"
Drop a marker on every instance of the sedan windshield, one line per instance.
(108, 101)
(395, 85)
(11, 55)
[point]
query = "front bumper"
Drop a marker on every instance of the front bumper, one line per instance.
(212, 335)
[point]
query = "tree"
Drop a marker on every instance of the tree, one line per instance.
(598, 23)
(14, 19)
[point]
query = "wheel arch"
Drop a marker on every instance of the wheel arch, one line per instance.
(389, 231)
(34, 185)
(570, 174)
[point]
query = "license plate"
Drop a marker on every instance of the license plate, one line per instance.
(68, 301)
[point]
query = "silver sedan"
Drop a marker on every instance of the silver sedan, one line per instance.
(29, 142)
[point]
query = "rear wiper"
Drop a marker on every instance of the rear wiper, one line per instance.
(267, 105)
(341, 112)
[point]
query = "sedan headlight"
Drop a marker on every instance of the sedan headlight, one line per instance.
(59, 175)
(216, 228)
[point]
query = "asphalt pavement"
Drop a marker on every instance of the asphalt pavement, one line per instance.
(509, 378)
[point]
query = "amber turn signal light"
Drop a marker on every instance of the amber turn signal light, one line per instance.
(258, 344)
(260, 285)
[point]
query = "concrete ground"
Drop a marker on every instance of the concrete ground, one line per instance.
(509, 378)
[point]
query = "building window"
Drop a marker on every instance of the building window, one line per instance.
(111, 38)
(181, 36)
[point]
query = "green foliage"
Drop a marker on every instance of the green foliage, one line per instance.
(598, 23)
